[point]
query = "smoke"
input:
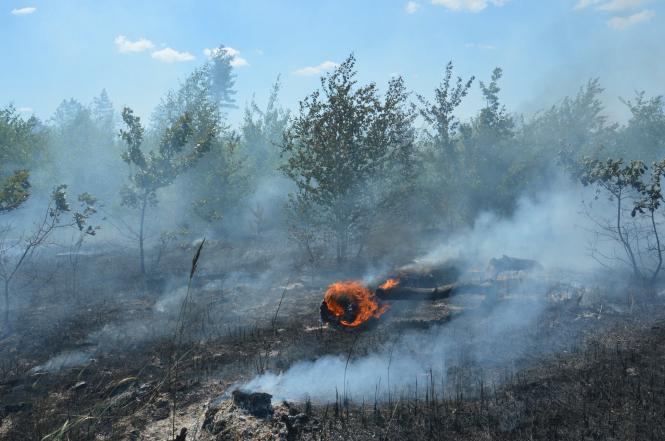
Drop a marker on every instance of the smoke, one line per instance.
(546, 228)
(400, 364)
(65, 360)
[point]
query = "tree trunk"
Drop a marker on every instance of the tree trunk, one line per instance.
(141, 230)
(625, 242)
(341, 247)
(654, 277)
(6, 304)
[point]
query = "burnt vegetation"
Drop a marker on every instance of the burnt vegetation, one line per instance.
(177, 295)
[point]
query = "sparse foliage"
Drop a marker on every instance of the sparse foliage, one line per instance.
(15, 253)
(263, 131)
(179, 148)
(636, 197)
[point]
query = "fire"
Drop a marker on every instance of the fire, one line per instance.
(389, 284)
(352, 303)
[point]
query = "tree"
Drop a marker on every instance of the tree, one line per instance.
(103, 115)
(204, 94)
(88, 134)
(88, 205)
(337, 147)
(14, 254)
(220, 182)
(73, 134)
(22, 141)
(489, 155)
(650, 200)
(194, 97)
(632, 191)
(219, 72)
(577, 122)
(21, 146)
(14, 191)
(179, 148)
(262, 132)
(217, 184)
(441, 180)
(440, 116)
(644, 135)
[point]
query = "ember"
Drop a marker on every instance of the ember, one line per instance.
(351, 304)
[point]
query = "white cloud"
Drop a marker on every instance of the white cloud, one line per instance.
(621, 23)
(239, 62)
(315, 70)
(411, 7)
(620, 5)
(211, 52)
(169, 55)
(24, 11)
(236, 59)
(125, 46)
(468, 5)
(25, 109)
(609, 5)
(582, 4)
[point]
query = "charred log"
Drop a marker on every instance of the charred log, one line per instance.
(406, 293)
(507, 263)
(428, 276)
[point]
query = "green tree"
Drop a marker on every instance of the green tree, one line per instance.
(73, 134)
(337, 149)
(577, 122)
(14, 190)
(103, 114)
(442, 180)
(490, 154)
(440, 115)
(262, 132)
(178, 149)
(22, 141)
(644, 135)
(217, 184)
(21, 147)
(220, 182)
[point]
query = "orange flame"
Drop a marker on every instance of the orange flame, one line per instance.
(389, 284)
(359, 297)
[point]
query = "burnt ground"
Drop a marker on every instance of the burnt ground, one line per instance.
(98, 361)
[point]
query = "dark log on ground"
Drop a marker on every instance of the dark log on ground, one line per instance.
(507, 263)
(428, 276)
(406, 293)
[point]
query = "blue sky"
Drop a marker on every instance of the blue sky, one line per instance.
(59, 49)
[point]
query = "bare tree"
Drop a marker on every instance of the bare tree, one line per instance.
(14, 254)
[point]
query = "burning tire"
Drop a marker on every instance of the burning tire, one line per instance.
(350, 305)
